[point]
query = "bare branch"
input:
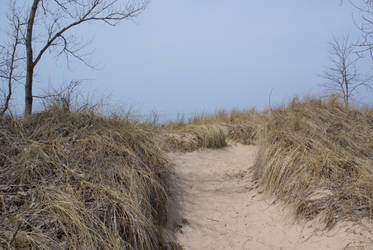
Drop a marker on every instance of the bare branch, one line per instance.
(10, 65)
(98, 10)
(365, 7)
(58, 18)
(343, 76)
(61, 98)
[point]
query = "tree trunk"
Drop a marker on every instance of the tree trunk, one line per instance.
(347, 94)
(346, 102)
(28, 89)
(30, 65)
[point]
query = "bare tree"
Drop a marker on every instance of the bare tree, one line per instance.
(53, 20)
(8, 61)
(343, 76)
(365, 25)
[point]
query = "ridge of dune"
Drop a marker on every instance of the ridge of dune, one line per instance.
(216, 205)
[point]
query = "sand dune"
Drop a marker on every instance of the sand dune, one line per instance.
(217, 206)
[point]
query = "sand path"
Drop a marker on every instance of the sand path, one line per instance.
(218, 207)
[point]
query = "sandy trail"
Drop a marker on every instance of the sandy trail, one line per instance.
(218, 207)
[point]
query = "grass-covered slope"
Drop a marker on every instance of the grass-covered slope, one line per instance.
(313, 154)
(80, 181)
(318, 156)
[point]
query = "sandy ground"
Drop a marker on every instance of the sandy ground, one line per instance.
(217, 206)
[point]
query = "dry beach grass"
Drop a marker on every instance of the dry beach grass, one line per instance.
(77, 180)
(191, 137)
(318, 156)
(313, 154)
(80, 181)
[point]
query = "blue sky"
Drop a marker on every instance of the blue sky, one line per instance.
(189, 56)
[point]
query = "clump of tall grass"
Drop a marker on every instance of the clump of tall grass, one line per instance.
(318, 156)
(240, 125)
(212, 130)
(245, 126)
(191, 137)
(80, 181)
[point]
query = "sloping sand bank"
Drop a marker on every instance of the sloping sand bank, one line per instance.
(217, 206)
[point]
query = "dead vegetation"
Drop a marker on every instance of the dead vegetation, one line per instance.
(245, 126)
(80, 181)
(75, 180)
(211, 131)
(318, 156)
(315, 155)
(191, 137)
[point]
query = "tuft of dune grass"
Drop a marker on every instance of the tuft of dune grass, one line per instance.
(212, 131)
(245, 126)
(318, 156)
(192, 137)
(80, 181)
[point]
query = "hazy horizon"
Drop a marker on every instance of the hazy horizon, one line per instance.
(186, 57)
